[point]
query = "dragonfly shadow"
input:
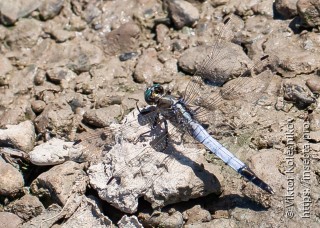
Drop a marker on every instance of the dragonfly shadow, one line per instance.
(169, 144)
(211, 183)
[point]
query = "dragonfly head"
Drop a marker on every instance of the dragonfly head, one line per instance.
(153, 93)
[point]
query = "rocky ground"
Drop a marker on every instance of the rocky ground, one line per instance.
(73, 70)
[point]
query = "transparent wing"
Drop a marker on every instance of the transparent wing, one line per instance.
(138, 161)
(202, 93)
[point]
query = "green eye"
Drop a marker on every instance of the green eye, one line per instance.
(147, 94)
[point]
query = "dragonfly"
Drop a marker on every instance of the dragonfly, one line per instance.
(188, 113)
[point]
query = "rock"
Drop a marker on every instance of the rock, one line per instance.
(50, 9)
(21, 136)
(61, 35)
(287, 8)
(127, 55)
(148, 67)
(102, 117)
(129, 222)
(143, 175)
(297, 94)
(217, 71)
(314, 84)
(11, 180)
(38, 106)
(78, 55)
(56, 75)
(24, 34)
(60, 182)
(182, 13)
(265, 8)
(223, 223)
(27, 207)
(309, 11)
(197, 214)
(47, 219)
(53, 152)
(90, 213)
(315, 136)
(293, 58)
(56, 117)
(5, 67)
(9, 220)
(216, 3)
(76, 24)
(11, 11)
(171, 219)
(19, 113)
(162, 32)
(122, 39)
(270, 173)
(314, 121)
(89, 12)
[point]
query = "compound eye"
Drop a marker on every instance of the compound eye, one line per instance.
(159, 89)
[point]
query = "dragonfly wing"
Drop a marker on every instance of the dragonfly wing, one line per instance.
(138, 169)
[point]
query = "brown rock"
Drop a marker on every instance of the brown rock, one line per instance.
(9, 220)
(27, 207)
(11, 180)
(57, 184)
(123, 39)
(182, 13)
(287, 8)
(309, 11)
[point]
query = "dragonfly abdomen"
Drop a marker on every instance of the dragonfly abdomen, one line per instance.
(202, 136)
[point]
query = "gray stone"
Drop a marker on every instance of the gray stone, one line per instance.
(21, 136)
(24, 34)
(197, 214)
(38, 106)
(287, 8)
(309, 11)
(9, 220)
(47, 219)
(60, 182)
(148, 67)
(223, 223)
(56, 75)
(11, 180)
(102, 117)
(56, 117)
(294, 58)
(53, 152)
(27, 207)
(129, 222)
(77, 55)
(5, 67)
(122, 39)
(164, 219)
(21, 111)
(49, 9)
(297, 94)
(217, 71)
(138, 167)
(182, 13)
(13, 10)
(270, 173)
(90, 213)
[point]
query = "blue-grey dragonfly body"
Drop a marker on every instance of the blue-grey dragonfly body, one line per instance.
(185, 118)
